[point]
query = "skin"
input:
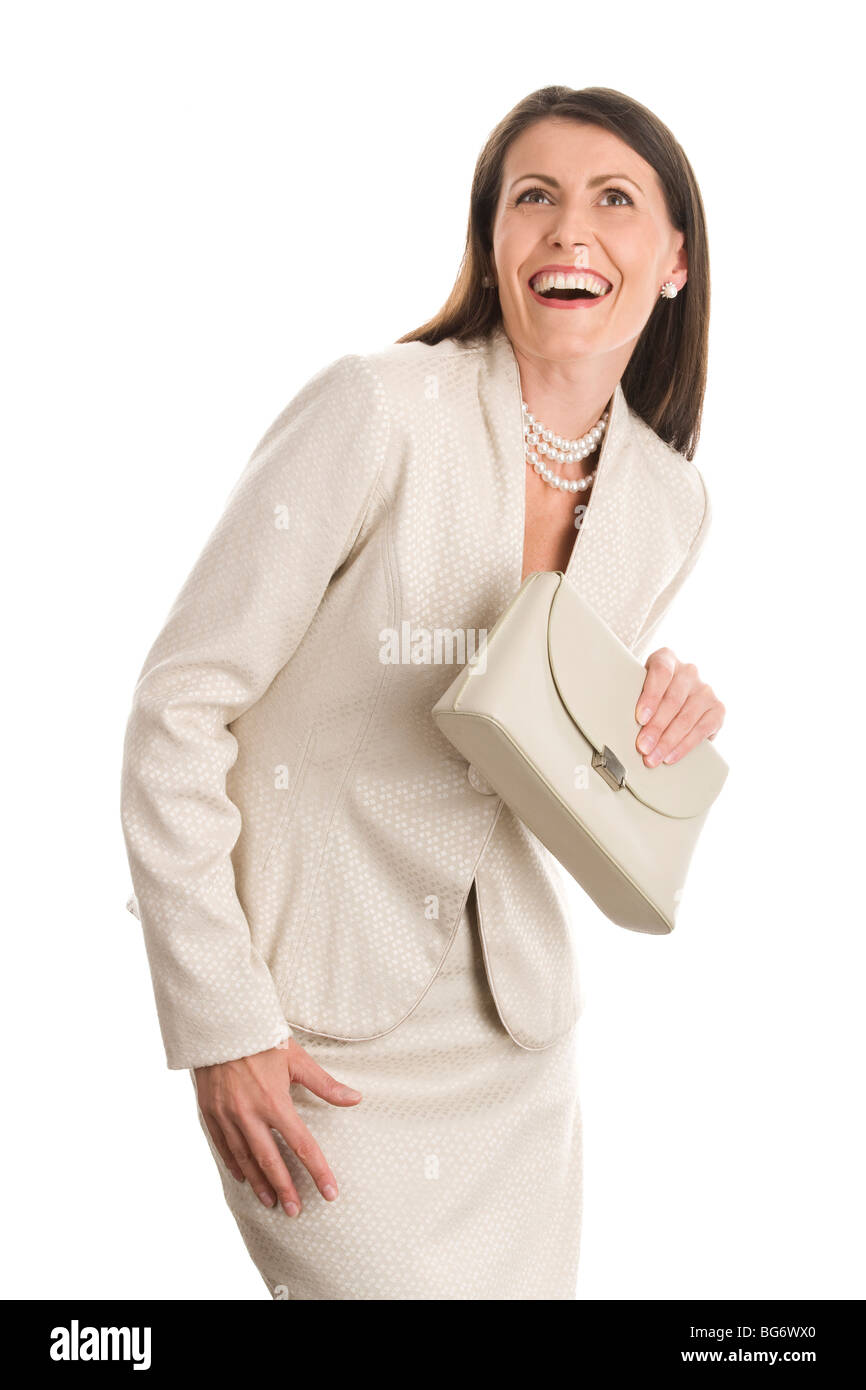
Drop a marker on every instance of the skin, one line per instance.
(241, 1101)
(571, 361)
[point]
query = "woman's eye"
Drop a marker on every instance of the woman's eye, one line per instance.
(618, 193)
(529, 192)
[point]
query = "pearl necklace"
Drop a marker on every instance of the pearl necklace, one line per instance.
(559, 450)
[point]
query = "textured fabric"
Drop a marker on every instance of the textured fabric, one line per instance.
(301, 837)
(460, 1170)
(531, 959)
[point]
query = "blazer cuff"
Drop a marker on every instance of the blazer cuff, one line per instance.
(180, 1060)
(213, 1025)
(200, 1033)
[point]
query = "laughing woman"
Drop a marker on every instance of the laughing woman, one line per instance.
(359, 953)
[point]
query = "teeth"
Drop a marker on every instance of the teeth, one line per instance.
(556, 280)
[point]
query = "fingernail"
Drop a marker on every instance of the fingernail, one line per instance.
(671, 757)
(644, 714)
(266, 1198)
(654, 758)
(645, 742)
(329, 1192)
(291, 1208)
(351, 1094)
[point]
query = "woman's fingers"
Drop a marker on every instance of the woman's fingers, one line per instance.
(660, 668)
(255, 1150)
(310, 1074)
(222, 1148)
(301, 1141)
(706, 727)
(245, 1100)
(651, 738)
(686, 728)
(677, 710)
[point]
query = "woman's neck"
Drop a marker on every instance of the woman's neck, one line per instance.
(568, 397)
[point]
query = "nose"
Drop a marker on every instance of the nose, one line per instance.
(579, 250)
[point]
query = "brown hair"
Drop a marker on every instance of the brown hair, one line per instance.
(665, 378)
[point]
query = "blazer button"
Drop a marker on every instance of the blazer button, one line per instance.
(479, 781)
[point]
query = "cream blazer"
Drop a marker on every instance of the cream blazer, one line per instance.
(301, 837)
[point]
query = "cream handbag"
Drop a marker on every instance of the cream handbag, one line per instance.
(545, 710)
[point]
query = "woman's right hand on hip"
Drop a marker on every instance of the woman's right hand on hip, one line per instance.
(243, 1100)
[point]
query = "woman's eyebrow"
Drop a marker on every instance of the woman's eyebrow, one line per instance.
(591, 183)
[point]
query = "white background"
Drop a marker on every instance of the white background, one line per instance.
(177, 178)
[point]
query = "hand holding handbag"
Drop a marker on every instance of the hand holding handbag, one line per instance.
(545, 710)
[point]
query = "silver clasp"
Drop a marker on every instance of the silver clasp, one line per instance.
(609, 766)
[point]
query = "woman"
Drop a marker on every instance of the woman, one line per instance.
(331, 897)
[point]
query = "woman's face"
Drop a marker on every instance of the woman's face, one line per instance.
(576, 195)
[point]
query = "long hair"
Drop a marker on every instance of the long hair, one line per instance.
(665, 378)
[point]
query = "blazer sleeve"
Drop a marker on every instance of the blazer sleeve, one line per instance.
(289, 523)
(640, 646)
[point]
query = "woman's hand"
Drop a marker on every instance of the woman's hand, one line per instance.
(242, 1101)
(676, 708)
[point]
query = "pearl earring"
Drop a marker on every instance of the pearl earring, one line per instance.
(668, 290)
(487, 282)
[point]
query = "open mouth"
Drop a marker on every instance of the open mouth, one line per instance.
(569, 294)
(557, 285)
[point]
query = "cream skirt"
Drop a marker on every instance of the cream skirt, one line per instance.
(459, 1173)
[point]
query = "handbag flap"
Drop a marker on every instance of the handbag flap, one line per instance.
(599, 681)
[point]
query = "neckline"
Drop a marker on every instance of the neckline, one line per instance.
(614, 437)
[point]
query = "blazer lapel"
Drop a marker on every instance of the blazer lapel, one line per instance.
(614, 562)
